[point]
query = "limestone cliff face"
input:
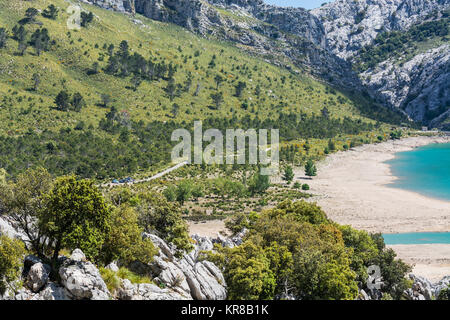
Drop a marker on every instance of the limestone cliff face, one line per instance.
(419, 84)
(324, 42)
(350, 25)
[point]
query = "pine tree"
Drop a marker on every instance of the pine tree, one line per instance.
(288, 174)
(3, 37)
(310, 168)
(62, 101)
(51, 12)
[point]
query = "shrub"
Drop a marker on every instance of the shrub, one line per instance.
(112, 281)
(75, 216)
(310, 168)
(135, 278)
(156, 213)
(248, 274)
(444, 294)
(124, 241)
(305, 186)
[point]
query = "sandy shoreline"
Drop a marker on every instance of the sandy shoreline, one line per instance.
(353, 188)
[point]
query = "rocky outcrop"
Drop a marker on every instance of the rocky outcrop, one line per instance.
(38, 276)
(423, 289)
(273, 32)
(350, 25)
(189, 275)
(81, 279)
(147, 291)
(420, 86)
(184, 278)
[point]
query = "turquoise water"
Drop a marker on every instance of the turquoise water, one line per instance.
(425, 170)
(417, 238)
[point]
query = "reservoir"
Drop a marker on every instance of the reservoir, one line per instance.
(425, 170)
(417, 238)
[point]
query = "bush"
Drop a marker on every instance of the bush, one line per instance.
(124, 241)
(444, 294)
(135, 278)
(157, 214)
(305, 187)
(248, 274)
(75, 216)
(170, 193)
(297, 185)
(12, 252)
(236, 223)
(259, 183)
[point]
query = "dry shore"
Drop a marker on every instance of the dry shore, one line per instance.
(353, 188)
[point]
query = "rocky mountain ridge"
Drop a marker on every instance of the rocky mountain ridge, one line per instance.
(419, 85)
(350, 25)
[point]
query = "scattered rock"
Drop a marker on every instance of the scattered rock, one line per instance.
(81, 279)
(38, 276)
(113, 267)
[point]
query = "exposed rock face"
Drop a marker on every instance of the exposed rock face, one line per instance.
(350, 25)
(117, 5)
(82, 280)
(423, 289)
(297, 21)
(188, 276)
(321, 40)
(147, 291)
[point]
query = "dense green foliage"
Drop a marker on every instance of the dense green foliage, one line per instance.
(75, 216)
(444, 294)
(306, 255)
(68, 213)
(310, 168)
(124, 240)
(23, 201)
(288, 174)
(154, 86)
(156, 214)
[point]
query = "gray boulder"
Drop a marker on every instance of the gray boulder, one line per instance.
(113, 267)
(77, 255)
(82, 280)
(444, 283)
(38, 276)
(147, 291)
(189, 275)
(52, 292)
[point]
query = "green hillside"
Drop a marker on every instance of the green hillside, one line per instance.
(114, 118)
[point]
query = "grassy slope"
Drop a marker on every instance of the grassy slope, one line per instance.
(65, 65)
